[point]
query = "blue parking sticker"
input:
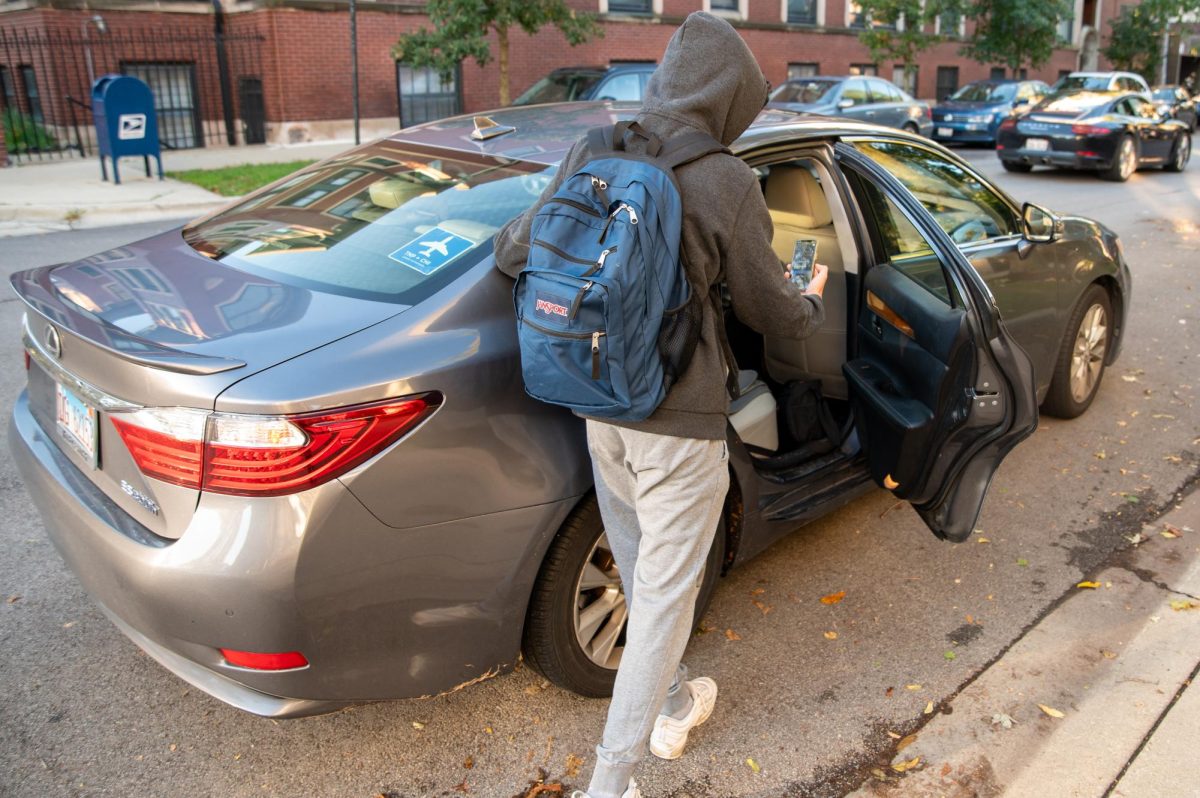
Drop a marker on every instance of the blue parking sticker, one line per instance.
(430, 251)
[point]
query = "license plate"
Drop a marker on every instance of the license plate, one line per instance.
(945, 132)
(76, 423)
(1037, 144)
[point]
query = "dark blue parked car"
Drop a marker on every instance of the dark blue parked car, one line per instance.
(974, 112)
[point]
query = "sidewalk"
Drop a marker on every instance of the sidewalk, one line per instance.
(64, 195)
(1113, 664)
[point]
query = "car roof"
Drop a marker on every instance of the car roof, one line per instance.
(544, 133)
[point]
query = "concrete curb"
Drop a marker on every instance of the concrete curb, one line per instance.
(32, 220)
(1112, 660)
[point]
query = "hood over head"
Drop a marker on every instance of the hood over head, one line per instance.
(708, 79)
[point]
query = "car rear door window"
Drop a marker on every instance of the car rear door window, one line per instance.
(388, 221)
(964, 206)
(621, 87)
(855, 91)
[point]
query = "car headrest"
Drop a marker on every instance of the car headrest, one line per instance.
(796, 199)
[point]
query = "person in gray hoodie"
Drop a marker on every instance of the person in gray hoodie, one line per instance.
(661, 482)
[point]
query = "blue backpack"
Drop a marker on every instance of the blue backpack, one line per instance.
(606, 317)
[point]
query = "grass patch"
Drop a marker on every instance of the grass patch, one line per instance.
(234, 181)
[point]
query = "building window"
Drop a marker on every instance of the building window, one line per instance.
(997, 73)
(950, 23)
(29, 84)
(947, 81)
(725, 6)
(797, 71)
(175, 106)
(627, 7)
(857, 18)
(800, 12)
(907, 82)
(6, 86)
(1062, 73)
(864, 69)
(425, 96)
(1066, 28)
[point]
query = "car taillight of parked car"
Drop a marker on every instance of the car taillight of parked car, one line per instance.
(1090, 130)
(1008, 124)
(262, 455)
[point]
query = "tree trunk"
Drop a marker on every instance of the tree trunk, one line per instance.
(502, 56)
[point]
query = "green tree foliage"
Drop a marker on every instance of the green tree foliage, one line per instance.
(1135, 37)
(1016, 33)
(460, 29)
(900, 30)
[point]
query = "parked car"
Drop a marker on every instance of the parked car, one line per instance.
(974, 112)
(619, 82)
(865, 99)
(1112, 82)
(1113, 136)
(1176, 103)
(287, 450)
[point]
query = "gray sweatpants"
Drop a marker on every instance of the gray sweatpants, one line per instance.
(660, 498)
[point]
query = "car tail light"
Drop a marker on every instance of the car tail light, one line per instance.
(928, 112)
(264, 662)
(1090, 130)
(260, 455)
(1008, 124)
(1087, 153)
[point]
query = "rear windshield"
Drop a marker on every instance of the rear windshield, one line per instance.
(805, 91)
(558, 87)
(1086, 82)
(985, 92)
(1073, 103)
(1165, 94)
(387, 221)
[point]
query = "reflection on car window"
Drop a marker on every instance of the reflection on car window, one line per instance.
(353, 225)
(856, 92)
(903, 245)
(804, 91)
(966, 208)
(621, 87)
(984, 92)
(558, 87)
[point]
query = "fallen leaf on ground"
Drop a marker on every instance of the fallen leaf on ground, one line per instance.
(463, 787)
(573, 765)
(888, 692)
(1088, 585)
(1051, 711)
(1003, 720)
(893, 735)
(1169, 534)
(732, 635)
(13, 599)
(758, 591)
(173, 747)
(929, 708)
(949, 655)
(946, 769)
(984, 540)
(912, 687)
(1021, 561)
(68, 624)
(753, 765)
(906, 742)
(538, 789)
(704, 628)
(831, 635)
(1182, 604)
(469, 762)
(1172, 528)
(763, 608)
(900, 767)
(488, 730)
(418, 725)
(833, 598)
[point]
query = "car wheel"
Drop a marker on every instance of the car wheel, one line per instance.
(1017, 166)
(1124, 161)
(1181, 154)
(1080, 365)
(575, 629)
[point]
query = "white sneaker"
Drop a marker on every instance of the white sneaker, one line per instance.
(631, 791)
(670, 734)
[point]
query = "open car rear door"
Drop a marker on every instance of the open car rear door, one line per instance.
(941, 392)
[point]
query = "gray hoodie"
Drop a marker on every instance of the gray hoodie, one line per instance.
(708, 81)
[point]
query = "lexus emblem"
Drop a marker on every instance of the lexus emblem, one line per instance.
(53, 342)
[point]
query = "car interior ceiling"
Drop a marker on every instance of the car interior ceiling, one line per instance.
(794, 405)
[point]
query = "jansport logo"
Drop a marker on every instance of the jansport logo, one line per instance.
(544, 306)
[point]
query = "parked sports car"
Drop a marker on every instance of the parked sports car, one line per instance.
(974, 112)
(1113, 136)
(287, 450)
(1176, 103)
(863, 99)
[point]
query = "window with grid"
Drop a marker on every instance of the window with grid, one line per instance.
(997, 73)
(425, 95)
(802, 12)
(947, 81)
(175, 106)
(908, 81)
(728, 6)
(950, 23)
(32, 96)
(864, 69)
(630, 7)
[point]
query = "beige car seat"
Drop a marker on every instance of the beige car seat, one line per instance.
(799, 210)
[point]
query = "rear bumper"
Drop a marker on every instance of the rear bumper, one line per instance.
(963, 132)
(378, 612)
(1067, 160)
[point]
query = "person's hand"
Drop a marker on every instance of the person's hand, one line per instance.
(817, 284)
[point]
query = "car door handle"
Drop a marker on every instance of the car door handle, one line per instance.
(893, 318)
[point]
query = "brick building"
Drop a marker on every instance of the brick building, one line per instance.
(282, 70)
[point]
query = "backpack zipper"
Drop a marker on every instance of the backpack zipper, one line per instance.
(599, 264)
(633, 218)
(599, 186)
(579, 300)
(547, 245)
(582, 336)
(596, 355)
(577, 205)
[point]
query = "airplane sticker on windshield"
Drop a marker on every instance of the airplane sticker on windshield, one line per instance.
(431, 250)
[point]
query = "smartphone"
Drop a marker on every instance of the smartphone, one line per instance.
(803, 258)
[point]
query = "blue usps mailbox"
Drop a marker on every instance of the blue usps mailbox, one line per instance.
(123, 110)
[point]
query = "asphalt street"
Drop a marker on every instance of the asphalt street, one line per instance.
(84, 713)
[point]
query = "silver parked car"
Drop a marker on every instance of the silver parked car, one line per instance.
(286, 447)
(860, 98)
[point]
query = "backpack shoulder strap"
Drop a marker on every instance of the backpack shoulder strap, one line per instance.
(689, 147)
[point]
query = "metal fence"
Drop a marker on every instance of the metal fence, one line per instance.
(208, 87)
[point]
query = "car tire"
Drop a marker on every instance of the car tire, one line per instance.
(1181, 153)
(1017, 166)
(1079, 369)
(1124, 162)
(551, 645)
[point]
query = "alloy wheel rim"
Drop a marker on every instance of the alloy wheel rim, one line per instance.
(600, 611)
(1128, 158)
(1087, 356)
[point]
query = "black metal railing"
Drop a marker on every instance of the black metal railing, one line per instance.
(46, 77)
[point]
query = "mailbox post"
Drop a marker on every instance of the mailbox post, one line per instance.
(123, 110)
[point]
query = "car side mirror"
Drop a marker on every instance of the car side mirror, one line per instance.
(1040, 225)
(844, 104)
